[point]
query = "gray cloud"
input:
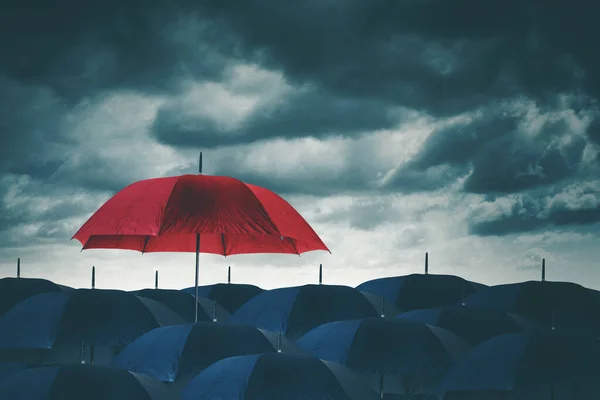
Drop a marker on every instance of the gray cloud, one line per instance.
(576, 204)
(304, 113)
(33, 212)
(30, 127)
(498, 151)
(594, 130)
(133, 45)
(428, 55)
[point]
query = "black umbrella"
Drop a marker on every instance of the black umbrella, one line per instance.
(296, 310)
(15, 290)
(76, 382)
(81, 325)
(523, 366)
(562, 306)
(420, 291)
(396, 356)
(472, 324)
(277, 377)
(230, 296)
(177, 353)
(183, 304)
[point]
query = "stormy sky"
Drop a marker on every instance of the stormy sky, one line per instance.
(466, 128)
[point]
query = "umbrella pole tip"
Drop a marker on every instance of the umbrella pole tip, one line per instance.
(543, 269)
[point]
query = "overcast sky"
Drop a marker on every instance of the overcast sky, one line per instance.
(466, 128)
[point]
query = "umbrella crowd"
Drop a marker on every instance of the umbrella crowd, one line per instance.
(419, 336)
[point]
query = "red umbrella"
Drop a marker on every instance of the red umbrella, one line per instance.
(205, 214)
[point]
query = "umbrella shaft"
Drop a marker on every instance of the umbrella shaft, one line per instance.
(197, 271)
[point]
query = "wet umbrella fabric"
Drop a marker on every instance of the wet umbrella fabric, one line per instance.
(277, 376)
(201, 214)
(177, 353)
(165, 214)
(7, 368)
(75, 382)
(15, 290)
(472, 324)
(384, 307)
(183, 304)
(420, 291)
(296, 310)
(51, 327)
(567, 307)
(229, 295)
(412, 357)
(527, 366)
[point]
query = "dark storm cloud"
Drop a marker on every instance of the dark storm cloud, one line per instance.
(496, 154)
(594, 130)
(302, 114)
(30, 129)
(310, 180)
(577, 204)
(55, 55)
(78, 48)
(439, 56)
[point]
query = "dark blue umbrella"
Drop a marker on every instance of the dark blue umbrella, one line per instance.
(183, 304)
(75, 382)
(176, 353)
(11, 367)
(230, 296)
(59, 327)
(396, 356)
(527, 366)
(277, 377)
(15, 290)
(383, 306)
(472, 324)
(566, 307)
(420, 291)
(296, 310)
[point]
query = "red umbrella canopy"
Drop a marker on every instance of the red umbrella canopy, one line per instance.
(232, 217)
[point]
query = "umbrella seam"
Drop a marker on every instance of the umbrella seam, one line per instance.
(293, 245)
(162, 223)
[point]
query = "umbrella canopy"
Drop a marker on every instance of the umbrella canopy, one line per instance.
(419, 291)
(566, 307)
(183, 304)
(205, 214)
(75, 382)
(15, 290)
(177, 353)
(229, 295)
(277, 376)
(7, 368)
(527, 366)
(384, 307)
(472, 324)
(106, 320)
(165, 214)
(296, 310)
(396, 356)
